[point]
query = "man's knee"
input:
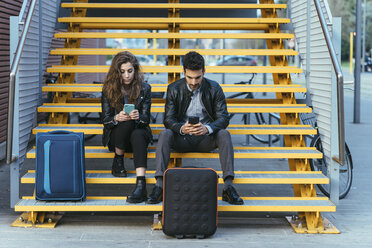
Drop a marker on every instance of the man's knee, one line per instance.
(223, 134)
(166, 135)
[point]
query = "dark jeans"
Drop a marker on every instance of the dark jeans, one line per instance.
(130, 139)
(185, 143)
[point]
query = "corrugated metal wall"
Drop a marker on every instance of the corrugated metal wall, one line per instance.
(7, 8)
(320, 66)
(28, 72)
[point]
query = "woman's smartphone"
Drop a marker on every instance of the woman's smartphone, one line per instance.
(128, 108)
(193, 119)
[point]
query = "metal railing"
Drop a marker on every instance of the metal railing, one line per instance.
(12, 78)
(340, 85)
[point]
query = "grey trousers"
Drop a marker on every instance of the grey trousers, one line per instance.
(168, 140)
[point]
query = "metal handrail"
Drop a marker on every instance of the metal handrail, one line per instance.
(13, 74)
(23, 9)
(340, 85)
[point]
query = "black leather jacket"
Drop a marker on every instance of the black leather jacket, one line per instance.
(143, 105)
(179, 98)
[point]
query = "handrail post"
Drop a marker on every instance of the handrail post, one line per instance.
(340, 85)
(12, 79)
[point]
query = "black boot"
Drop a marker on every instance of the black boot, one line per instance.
(118, 169)
(140, 193)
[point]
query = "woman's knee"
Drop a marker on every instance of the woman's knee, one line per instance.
(138, 134)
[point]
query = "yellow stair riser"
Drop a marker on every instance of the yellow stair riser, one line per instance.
(240, 153)
(183, 26)
(93, 178)
(104, 35)
(220, 181)
(179, 69)
(110, 51)
(159, 108)
(163, 88)
(154, 20)
(119, 204)
(171, 6)
(232, 132)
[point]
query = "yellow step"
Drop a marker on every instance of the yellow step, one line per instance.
(173, 20)
(234, 129)
(239, 153)
(178, 69)
(159, 108)
(175, 35)
(163, 88)
(251, 204)
(183, 26)
(171, 6)
(241, 177)
(112, 51)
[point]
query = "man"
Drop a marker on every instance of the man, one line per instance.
(195, 95)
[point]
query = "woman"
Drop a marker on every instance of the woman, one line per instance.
(127, 132)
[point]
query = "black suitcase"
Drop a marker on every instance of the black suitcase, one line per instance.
(190, 202)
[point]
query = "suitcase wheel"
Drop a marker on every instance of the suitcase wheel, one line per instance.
(200, 236)
(179, 236)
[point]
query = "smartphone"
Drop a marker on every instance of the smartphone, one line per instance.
(128, 108)
(193, 119)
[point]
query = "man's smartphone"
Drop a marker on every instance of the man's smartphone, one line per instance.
(193, 119)
(128, 108)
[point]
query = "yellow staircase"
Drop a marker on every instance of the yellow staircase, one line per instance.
(267, 27)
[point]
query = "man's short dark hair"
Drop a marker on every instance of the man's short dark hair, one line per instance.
(193, 61)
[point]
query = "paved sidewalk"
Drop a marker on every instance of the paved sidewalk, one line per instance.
(353, 217)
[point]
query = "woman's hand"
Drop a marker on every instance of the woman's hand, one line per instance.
(122, 116)
(134, 115)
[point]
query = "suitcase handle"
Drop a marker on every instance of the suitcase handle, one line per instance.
(47, 146)
(60, 132)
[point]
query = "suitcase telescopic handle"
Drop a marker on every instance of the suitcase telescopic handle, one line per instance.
(60, 132)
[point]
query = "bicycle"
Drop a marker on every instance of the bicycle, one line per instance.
(49, 79)
(260, 118)
(346, 170)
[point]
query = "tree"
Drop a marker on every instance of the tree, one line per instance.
(346, 10)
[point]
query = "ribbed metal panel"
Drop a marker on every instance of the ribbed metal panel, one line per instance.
(28, 72)
(321, 65)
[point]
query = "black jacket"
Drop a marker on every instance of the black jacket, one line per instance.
(179, 98)
(143, 105)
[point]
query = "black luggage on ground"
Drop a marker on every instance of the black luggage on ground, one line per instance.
(190, 202)
(60, 166)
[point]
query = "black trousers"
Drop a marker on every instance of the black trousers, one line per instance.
(127, 137)
(169, 140)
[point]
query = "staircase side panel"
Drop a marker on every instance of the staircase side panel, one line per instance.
(321, 68)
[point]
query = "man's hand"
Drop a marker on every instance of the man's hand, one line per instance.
(195, 129)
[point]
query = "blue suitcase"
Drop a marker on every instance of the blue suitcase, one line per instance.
(60, 166)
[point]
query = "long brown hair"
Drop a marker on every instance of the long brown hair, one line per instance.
(114, 83)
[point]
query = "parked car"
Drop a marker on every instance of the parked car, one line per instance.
(238, 60)
(368, 64)
(143, 60)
